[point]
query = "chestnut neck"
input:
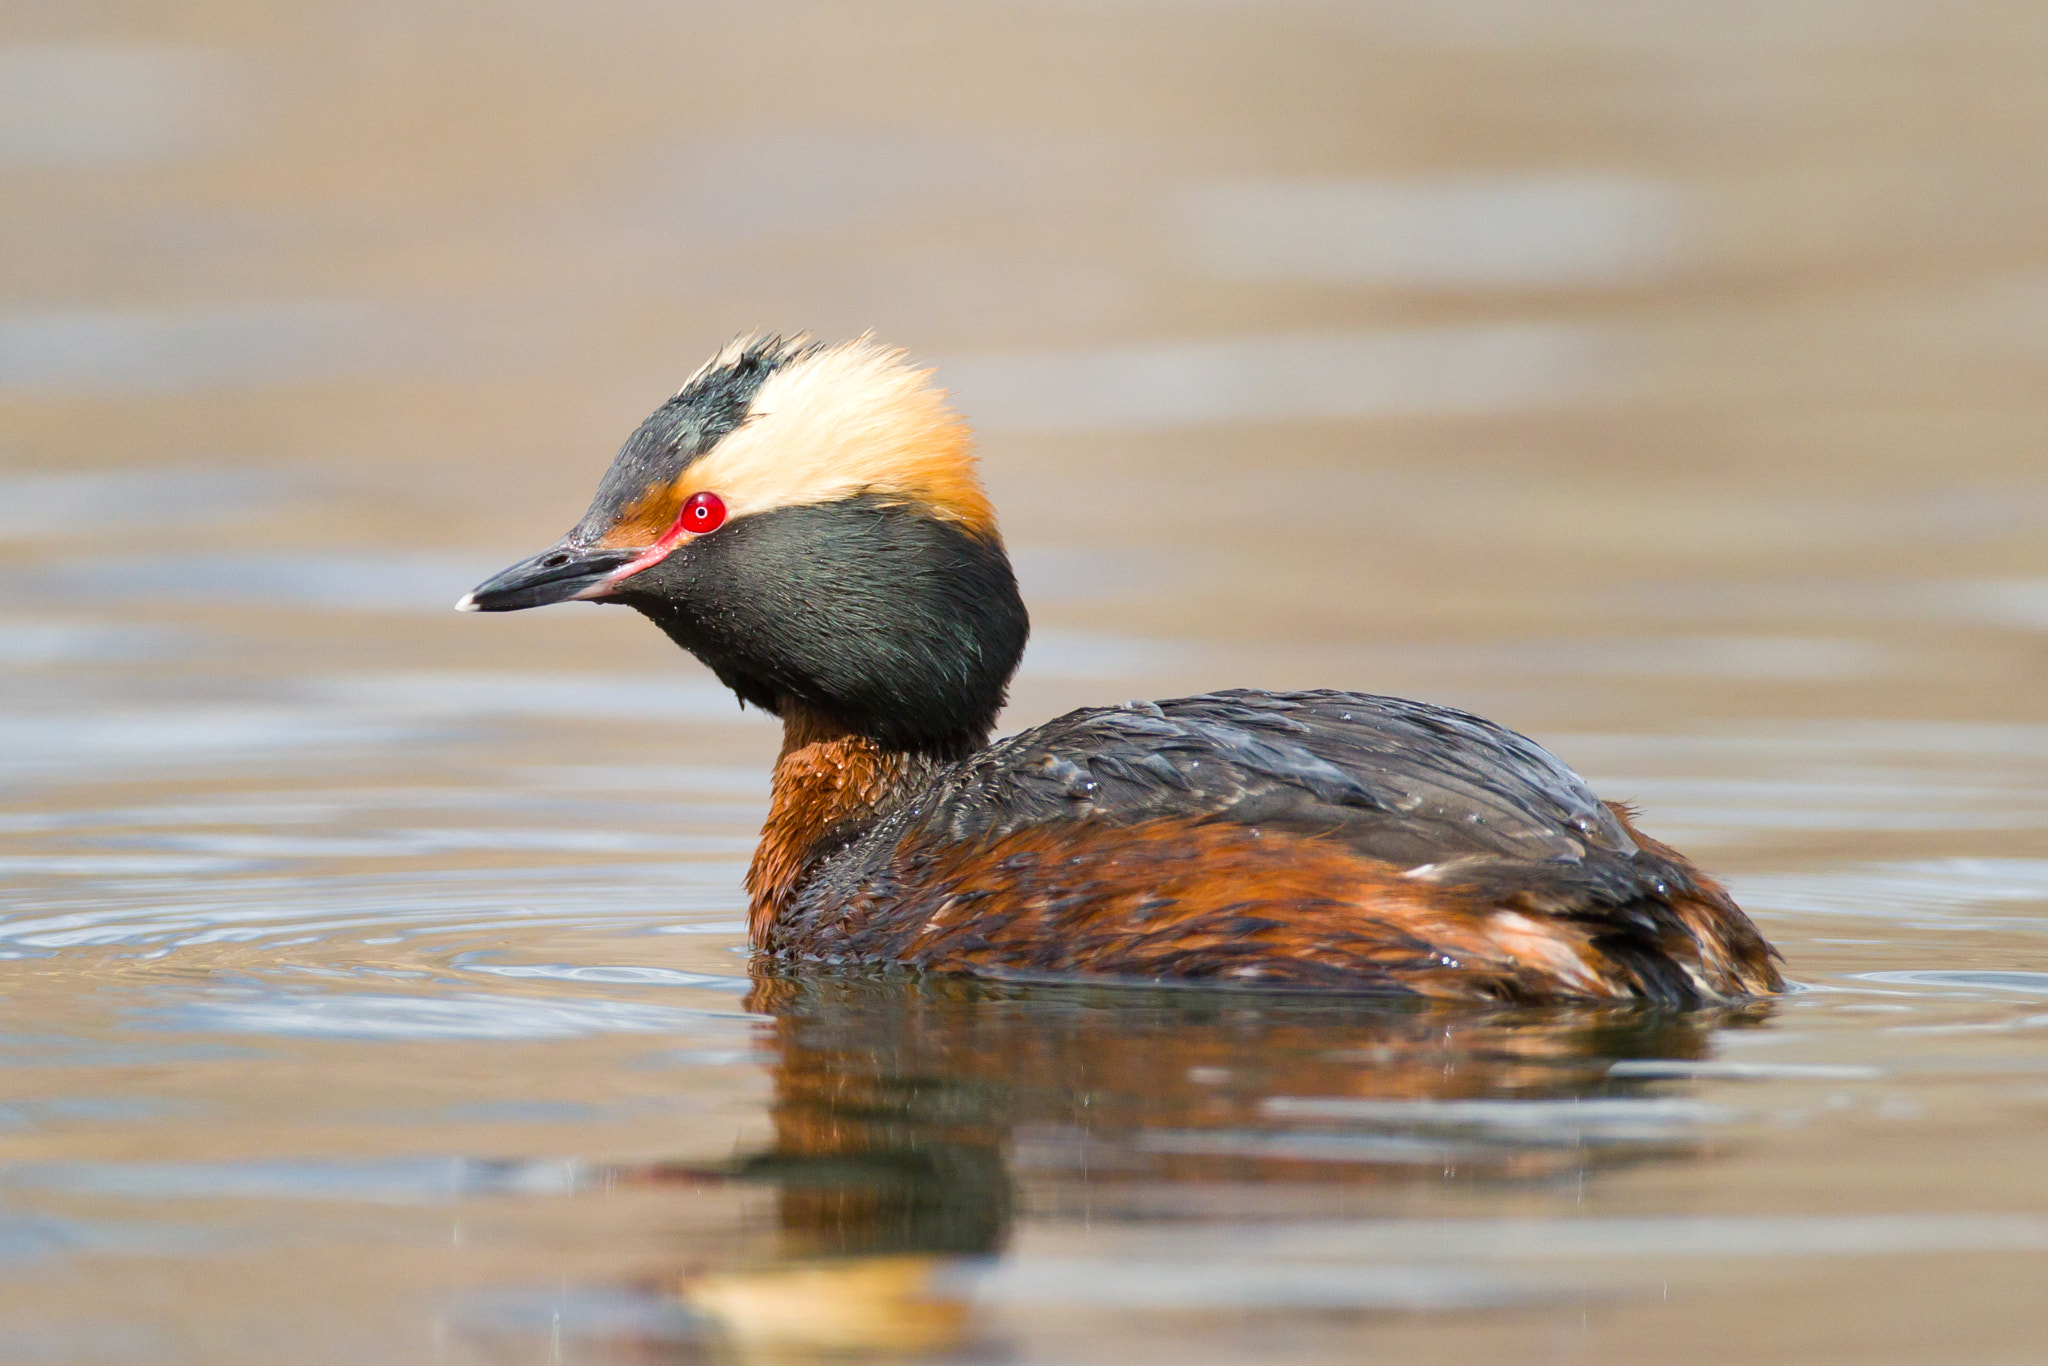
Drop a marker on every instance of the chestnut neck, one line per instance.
(831, 784)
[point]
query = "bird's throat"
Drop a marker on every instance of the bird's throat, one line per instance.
(830, 785)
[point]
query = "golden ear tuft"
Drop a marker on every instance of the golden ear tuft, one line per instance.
(842, 421)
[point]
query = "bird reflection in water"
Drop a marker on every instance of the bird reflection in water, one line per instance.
(914, 1120)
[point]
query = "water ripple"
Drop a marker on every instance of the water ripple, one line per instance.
(622, 974)
(167, 912)
(474, 1015)
(1602, 1119)
(1944, 891)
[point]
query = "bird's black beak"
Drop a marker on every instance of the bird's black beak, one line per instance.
(563, 571)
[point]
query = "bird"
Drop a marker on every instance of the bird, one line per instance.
(807, 518)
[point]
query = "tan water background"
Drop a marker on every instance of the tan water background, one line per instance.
(1666, 379)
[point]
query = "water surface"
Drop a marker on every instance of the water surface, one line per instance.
(1665, 382)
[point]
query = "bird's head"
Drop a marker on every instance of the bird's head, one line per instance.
(807, 520)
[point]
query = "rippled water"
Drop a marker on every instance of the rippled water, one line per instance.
(1665, 381)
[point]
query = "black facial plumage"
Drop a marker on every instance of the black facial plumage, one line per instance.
(895, 624)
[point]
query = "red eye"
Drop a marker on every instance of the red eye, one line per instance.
(701, 513)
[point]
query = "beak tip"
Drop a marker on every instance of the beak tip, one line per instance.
(561, 573)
